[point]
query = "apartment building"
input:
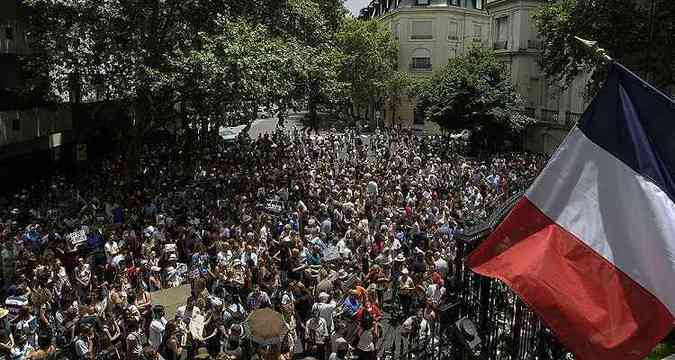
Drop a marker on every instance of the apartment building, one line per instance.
(25, 126)
(432, 31)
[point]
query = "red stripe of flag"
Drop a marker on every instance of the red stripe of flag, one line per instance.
(596, 311)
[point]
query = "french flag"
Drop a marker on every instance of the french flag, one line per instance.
(591, 245)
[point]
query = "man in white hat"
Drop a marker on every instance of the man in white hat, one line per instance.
(326, 307)
(407, 287)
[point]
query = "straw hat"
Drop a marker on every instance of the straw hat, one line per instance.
(202, 353)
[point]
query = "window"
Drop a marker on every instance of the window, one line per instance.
(501, 28)
(477, 4)
(421, 30)
(16, 125)
(534, 95)
(477, 32)
(397, 31)
(419, 116)
(452, 30)
(9, 32)
(453, 2)
(421, 60)
(422, 2)
(507, 66)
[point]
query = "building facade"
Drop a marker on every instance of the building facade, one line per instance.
(432, 31)
(24, 126)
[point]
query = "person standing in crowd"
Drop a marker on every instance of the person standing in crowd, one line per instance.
(316, 334)
(157, 326)
(84, 343)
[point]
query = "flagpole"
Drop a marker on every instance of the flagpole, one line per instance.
(593, 46)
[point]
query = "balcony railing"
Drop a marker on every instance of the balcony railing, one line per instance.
(500, 45)
(421, 37)
(535, 44)
(420, 67)
(549, 116)
(453, 37)
(571, 118)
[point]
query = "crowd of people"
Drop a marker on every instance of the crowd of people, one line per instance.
(331, 231)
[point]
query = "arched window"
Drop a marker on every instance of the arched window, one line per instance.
(421, 59)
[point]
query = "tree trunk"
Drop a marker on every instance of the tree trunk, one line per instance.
(136, 133)
(393, 114)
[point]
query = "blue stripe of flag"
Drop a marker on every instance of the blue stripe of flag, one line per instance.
(635, 123)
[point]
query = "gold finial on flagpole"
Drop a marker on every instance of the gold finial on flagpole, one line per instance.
(593, 45)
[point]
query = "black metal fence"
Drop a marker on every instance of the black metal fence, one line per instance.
(508, 329)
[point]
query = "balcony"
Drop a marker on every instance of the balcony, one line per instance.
(571, 118)
(500, 45)
(535, 44)
(420, 67)
(550, 116)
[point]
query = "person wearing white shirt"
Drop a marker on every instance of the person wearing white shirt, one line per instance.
(157, 327)
(249, 255)
(326, 310)
(417, 330)
(435, 293)
(316, 333)
(111, 249)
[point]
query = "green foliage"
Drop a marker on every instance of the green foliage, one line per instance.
(369, 53)
(473, 91)
(243, 65)
(217, 59)
(397, 86)
(638, 33)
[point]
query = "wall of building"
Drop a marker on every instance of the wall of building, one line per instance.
(452, 28)
(453, 33)
(28, 124)
(508, 28)
(519, 47)
(544, 137)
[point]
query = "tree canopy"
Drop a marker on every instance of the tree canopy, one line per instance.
(473, 91)
(369, 56)
(638, 33)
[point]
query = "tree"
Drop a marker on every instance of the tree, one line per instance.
(398, 85)
(125, 46)
(473, 91)
(236, 72)
(638, 33)
(151, 55)
(368, 61)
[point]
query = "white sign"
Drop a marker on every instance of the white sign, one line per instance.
(331, 253)
(197, 325)
(76, 238)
